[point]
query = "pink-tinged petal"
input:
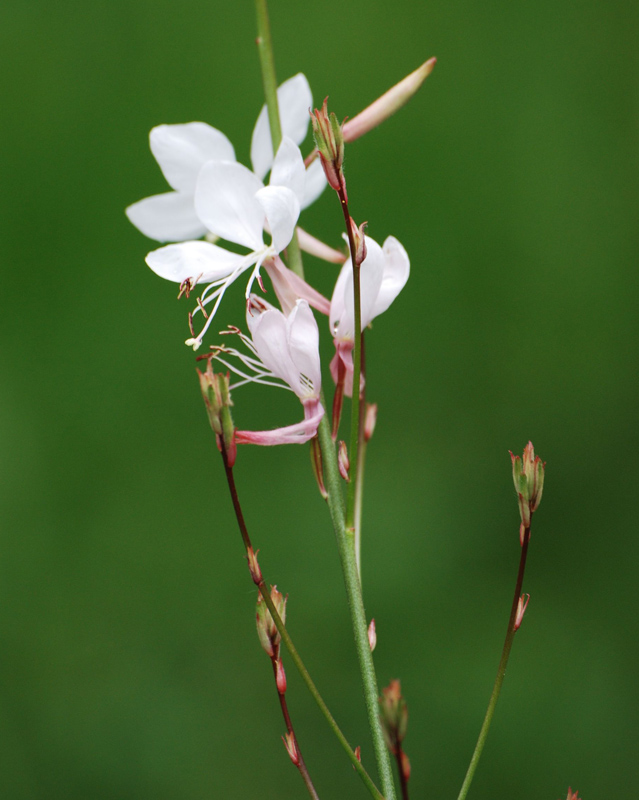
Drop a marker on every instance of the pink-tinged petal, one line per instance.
(396, 272)
(315, 183)
(268, 331)
(315, 247)
(303, 342)
(282, 208)
(167, 217)
(290, 288)
(201, 261)
(288, 168)
(342, 363)
(299, 433)
(181, 151)
(294, 100)
(225, 202)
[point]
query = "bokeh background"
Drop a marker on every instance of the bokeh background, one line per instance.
(129, 666)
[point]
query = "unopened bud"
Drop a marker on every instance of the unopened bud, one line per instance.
(291, 748)
(370, 420)
(329, 141)
(217, 399)
(393, 715)
(358, 753)
(343, 461)
(280, 676)
(386, 105)
(521, 610)
(267, 631)
(572, 795)
(254, 567)
(372, 635)
(405, 766)
(359, 239)
(528, 477)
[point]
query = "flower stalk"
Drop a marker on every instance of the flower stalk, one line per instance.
(269, 82)
(258, 580)
(528, 484)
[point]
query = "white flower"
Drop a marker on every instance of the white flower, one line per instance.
(383, 274)
(234, 204)
(284, 348)
(182, 151)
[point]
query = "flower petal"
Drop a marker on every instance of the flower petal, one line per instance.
(303, 341)
(315, 183)
(396, 272)
(291, 434)
(342, 316)
(167, 217)
(268, 331)
(181, 150)
(294, 100)
(225, 202)
(290, 288)
(288, 168)
(282, 208)
(201, 261)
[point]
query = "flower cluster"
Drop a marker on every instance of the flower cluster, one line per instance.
(214, 198)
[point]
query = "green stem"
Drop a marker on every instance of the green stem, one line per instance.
(269, 83)
(288, 642)
(501, 671)
(359, 476)
(346, 550)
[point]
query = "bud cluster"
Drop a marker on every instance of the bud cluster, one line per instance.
(393, 715)
(329, 141)
(267, 631)
(217, 399)
(528, 477)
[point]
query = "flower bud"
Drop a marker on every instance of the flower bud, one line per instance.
(280, 676)
(528, 477)
(217, 399)
(370, 420)
(405, 766)
(521, 610)
(386, 105)
(291, 748)
(329, 141)
(359, 240)
(343, 462)
(572, 795)
(393, 715)
(267, 631)
(254, 567)
(372, 635)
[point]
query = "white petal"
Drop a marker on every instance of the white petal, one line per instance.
(268, 331)
(201, 261)
(371, 274)
(303, 340)
(288, 168)
(294, 100)
(181, 150)
(225, 202)
(396, 272)
(315, 183)
(167, 217)
(282, 208)
(342, 316)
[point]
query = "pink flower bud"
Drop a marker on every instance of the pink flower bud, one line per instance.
(280, 676)
(521, 610)
(571, 795)
(217, 399)
(372, 635)
(254, 567)
(358, 753)
(342, 460)
(405, 766)
(359, 240)
(291, 748)
(386, 105)
(370, 420)
(267, 631)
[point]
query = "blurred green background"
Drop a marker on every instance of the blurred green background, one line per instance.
(129, 666)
